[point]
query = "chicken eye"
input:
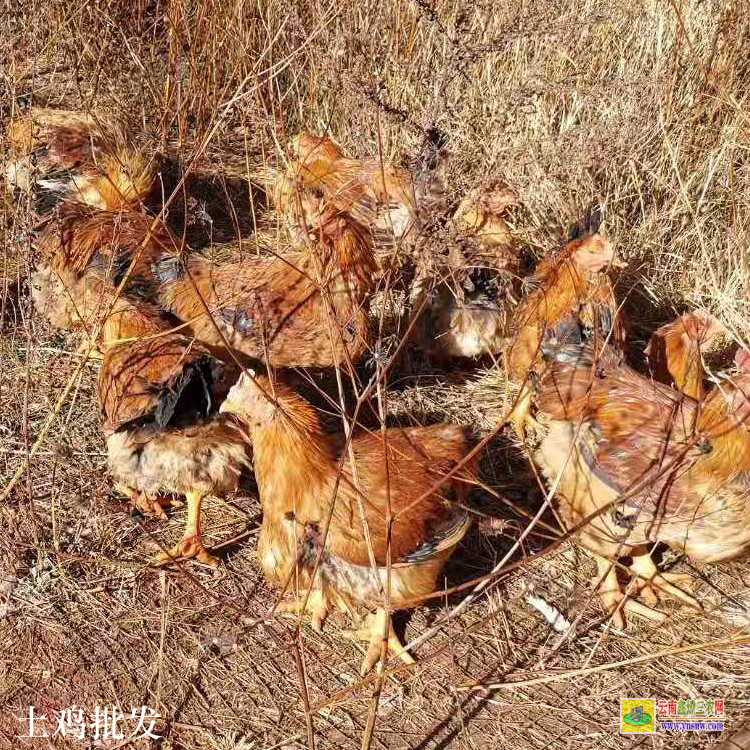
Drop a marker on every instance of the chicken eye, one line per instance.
(627, 522)
(705, 446)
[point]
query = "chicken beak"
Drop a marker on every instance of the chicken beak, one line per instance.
(227, 407)
(232, 403)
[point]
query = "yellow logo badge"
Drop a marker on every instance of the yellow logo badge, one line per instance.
(637, 715)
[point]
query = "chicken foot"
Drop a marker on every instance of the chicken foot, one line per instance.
(653, 582)
(615, 601)
(150, 505)
(153, 507)
(375, 626)
(520, 417)
(191, 544)
(317, 606)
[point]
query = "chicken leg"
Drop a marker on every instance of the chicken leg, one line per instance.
(373, 631)
(191, 544)
(149, 505)
(520, 417)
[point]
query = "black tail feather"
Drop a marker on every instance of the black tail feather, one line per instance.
(589, 224)
(50, 189)
(113, 267)
(114, 270)
(189, 398)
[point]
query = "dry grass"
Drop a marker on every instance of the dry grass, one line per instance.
(643, 106)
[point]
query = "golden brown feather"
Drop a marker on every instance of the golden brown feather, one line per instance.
(571, 282)
(674, 351)
(86, 254)
(470, 301)
(63, 154)
(481, 214)
(376, 194)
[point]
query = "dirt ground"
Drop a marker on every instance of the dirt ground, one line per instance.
(640, 106)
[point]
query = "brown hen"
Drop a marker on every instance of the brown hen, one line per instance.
(320, 181)
(62, 154)
(159, 395)
(470, 302)
(297, 469)
(571, 282)
(639, 462)
(304, 309)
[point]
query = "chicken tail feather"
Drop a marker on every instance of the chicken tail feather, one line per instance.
(445, 535)
(50, 190)
(189, 393)
(589, 224)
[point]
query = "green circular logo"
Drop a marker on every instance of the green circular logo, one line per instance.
(637, 719)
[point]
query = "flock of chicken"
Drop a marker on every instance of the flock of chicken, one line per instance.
(364, 522)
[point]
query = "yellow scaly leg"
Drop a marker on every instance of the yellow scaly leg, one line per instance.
(191, 544)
